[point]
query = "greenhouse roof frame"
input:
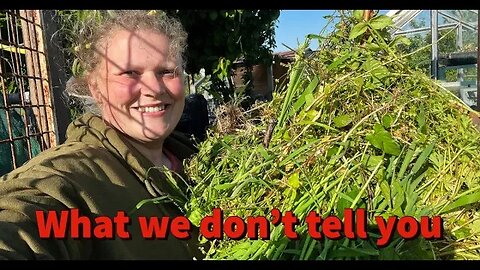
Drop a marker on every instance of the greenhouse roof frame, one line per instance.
(457, 20)
(401, 18)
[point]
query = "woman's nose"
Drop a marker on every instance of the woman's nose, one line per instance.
(152, 84)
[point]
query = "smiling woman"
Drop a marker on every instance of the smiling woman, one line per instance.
(141, 96)
(132, 64)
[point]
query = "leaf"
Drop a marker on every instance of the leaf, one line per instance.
(266, 156)
(309, 99)
(421, 119)
(461, 233)
(392, 164)
(225, 186)
(388, 253)
(422, 159)
(418, 249)
(407, 159)
(293, 180)
(358, 82)
(376, 68)
(303, 97)
(475, 227)
(342, 120)
(311, 114)
(195, 216)
(326, 248)
(76, 67)
(385, 189)
(372, 161)
(373, 47)
(391, 147)
(308, 248)
(358, 14)
(358, 29)
(314, 36)
(354, 65)
(382, 140)
(387, 120)
(401, 40)
(380, 22)
(345, 201)
(462, 201)
(286, 136)
(338, 61)
(398, 198)
(332, 151)
(374, 140)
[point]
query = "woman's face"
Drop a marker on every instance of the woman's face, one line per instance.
(138, 87)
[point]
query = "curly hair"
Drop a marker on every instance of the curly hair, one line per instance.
(98, 26)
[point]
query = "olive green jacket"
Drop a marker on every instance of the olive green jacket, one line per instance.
(99, 173)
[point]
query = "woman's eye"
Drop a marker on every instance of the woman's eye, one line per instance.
(168, 73)
(130, 73)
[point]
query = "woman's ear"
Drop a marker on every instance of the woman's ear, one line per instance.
(93, 87)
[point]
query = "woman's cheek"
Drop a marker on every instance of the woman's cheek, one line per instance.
(177, 89)
(124, 91)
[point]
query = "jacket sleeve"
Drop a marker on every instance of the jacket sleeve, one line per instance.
(21, 195)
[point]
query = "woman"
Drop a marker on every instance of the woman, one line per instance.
(133, 66)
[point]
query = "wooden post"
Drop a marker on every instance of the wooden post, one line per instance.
(38, 74)
(367, 14)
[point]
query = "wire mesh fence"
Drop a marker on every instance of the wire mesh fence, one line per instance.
(26, 110)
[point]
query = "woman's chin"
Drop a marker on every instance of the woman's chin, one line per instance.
(154, 136)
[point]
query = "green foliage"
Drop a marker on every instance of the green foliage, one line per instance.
(217, 38)
(70, 23)
(358, 127)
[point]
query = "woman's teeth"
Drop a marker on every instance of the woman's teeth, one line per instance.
(152, 109)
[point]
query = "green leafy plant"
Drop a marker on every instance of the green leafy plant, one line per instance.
(357, 127)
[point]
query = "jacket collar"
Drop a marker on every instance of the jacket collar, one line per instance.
(92, 130)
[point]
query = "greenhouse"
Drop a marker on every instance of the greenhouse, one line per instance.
(451, 37)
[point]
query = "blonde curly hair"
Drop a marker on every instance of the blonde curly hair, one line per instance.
(97, 26)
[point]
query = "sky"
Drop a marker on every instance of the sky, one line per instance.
(295, 25)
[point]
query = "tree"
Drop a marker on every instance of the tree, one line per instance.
(217, 38)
